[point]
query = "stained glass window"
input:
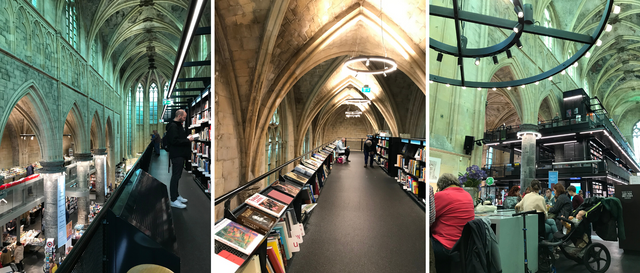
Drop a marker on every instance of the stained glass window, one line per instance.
(153, 104)
(70, 23)
(139, 105)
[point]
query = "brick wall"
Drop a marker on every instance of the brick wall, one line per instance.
(6, 151)
(340, 126)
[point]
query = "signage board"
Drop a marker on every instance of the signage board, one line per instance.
(167, 102)
(553, 178)
(489, 181)
(366, 89)
(62, 212)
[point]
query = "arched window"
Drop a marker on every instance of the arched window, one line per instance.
(139, 104)
(273, 143)
(128, 119)
(490, 156)
(203, 47)
(547, 23)
(34, 3)
(70, 23)
(636, 140)
(153, 104)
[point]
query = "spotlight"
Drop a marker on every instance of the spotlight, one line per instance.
(616, 9)
(550, 78)
(518, 11)
(563, 72)
(439, 58)
(509, 88)
(367, 62)
(608, 28)
(464, 87)
(430, 81)
(494, 89)
(515, 29)
(599, 42)
(477, 60)
(495, 60)
(522, 86)
(575, 64)
(588, 54)
(518, 44)
(448, 85)
(537, 83)
(509, 54)
(32, 138)
(479, 88)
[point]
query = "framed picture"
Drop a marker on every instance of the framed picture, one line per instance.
(434, 169)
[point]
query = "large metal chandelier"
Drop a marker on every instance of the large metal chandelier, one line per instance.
(388, 64)
(525, 24)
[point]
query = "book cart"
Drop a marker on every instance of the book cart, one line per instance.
(199, 165)
(405, 160)
(264, 232)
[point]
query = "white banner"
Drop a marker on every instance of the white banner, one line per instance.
(62, 215)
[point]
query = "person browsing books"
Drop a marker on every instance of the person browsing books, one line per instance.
(369, 149)
(454, 208)
(179, 149)
(343, 149)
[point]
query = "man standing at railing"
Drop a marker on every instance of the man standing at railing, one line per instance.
(179, 149)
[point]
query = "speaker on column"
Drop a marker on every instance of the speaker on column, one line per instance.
(468, 144)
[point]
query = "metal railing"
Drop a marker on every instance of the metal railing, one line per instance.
(91, 243)
(357, 144)
(227, 196)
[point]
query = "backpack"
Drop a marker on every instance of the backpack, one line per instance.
(165, 142)
(368, 142)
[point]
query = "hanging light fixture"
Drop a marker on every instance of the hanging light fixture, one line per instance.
(357, 101)
(388, 64)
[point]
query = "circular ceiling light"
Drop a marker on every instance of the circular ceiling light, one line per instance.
(389, 64)
(357, 101)
(353, 112)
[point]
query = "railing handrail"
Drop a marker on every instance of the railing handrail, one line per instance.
(70, 261)
(237, 190)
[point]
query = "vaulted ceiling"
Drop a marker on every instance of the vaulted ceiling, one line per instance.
(137, 36)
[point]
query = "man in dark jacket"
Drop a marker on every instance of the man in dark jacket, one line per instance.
(179, 150)
(30, 169)
(369, 149)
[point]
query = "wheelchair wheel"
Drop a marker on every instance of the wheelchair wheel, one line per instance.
(570, 256)
(597, 258)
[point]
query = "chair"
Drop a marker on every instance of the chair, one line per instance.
(459, 255)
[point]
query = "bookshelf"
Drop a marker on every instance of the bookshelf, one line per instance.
(411, 169)
(387, 151)
(199, 165)
(286, 231)
(596, 189)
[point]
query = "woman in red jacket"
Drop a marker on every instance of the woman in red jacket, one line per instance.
(454, 208)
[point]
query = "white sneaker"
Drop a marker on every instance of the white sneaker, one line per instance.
(177, 204)
(182, 199)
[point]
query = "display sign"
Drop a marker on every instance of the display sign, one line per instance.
(366, 89)
(69, 230)
(627, 195)
(48, 247)
(489, 181)
(553, 178)
(62, 210)
(104, 160)
(167, 102)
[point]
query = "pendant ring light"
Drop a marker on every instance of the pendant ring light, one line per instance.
(524, 24)
(388, 64)
(357, 101)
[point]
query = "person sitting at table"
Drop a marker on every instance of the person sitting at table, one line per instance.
(453, 208)
(548, 198)
(563, 206)
(533, 201)
(513, 197)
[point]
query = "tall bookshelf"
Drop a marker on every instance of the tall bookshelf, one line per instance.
(199, 165)
(387, 151)
(405, 160)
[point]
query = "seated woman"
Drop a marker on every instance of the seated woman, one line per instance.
(454, 208)
(563, 206)
(533, 201)
(513, 197)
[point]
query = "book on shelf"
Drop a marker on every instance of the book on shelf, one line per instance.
(273, 261)
(296, 178)
(251, 266)
(287, 187)
(237, 236)
(304, 170)
(297, 229)
(274, 244)
(256, 220)
(266, 204)
(312, 164)
(278, 196)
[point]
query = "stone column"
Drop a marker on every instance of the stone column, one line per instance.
(84, 162)
(100, 160)
(529, 134)
(50, 172)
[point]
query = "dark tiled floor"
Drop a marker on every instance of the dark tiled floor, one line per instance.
(192, 224)
(363, 223)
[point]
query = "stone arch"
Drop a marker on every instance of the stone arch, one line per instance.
(32, 104)
(75, 121)
(21, 36)
(97, 133)
(549, 105)
(110, 143)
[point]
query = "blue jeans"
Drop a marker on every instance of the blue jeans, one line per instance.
(368, 158)
(156, 146)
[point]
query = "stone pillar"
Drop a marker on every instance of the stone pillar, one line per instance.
(529, 134)
(100, 160)
(84, 162)
(50, 172)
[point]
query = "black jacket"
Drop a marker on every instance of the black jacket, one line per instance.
(371, 148)
(29, 170)
(179, 144)
(480, 248)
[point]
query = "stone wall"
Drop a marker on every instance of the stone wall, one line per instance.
(6, 152)
(340, 126)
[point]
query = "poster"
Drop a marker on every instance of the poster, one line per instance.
(69, 230)
(48, 247)
(62, 210)
(106, 189)
(434, 169)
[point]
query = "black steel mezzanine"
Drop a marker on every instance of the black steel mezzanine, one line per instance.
(524, 26)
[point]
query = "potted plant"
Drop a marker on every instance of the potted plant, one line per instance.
(471, 180)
